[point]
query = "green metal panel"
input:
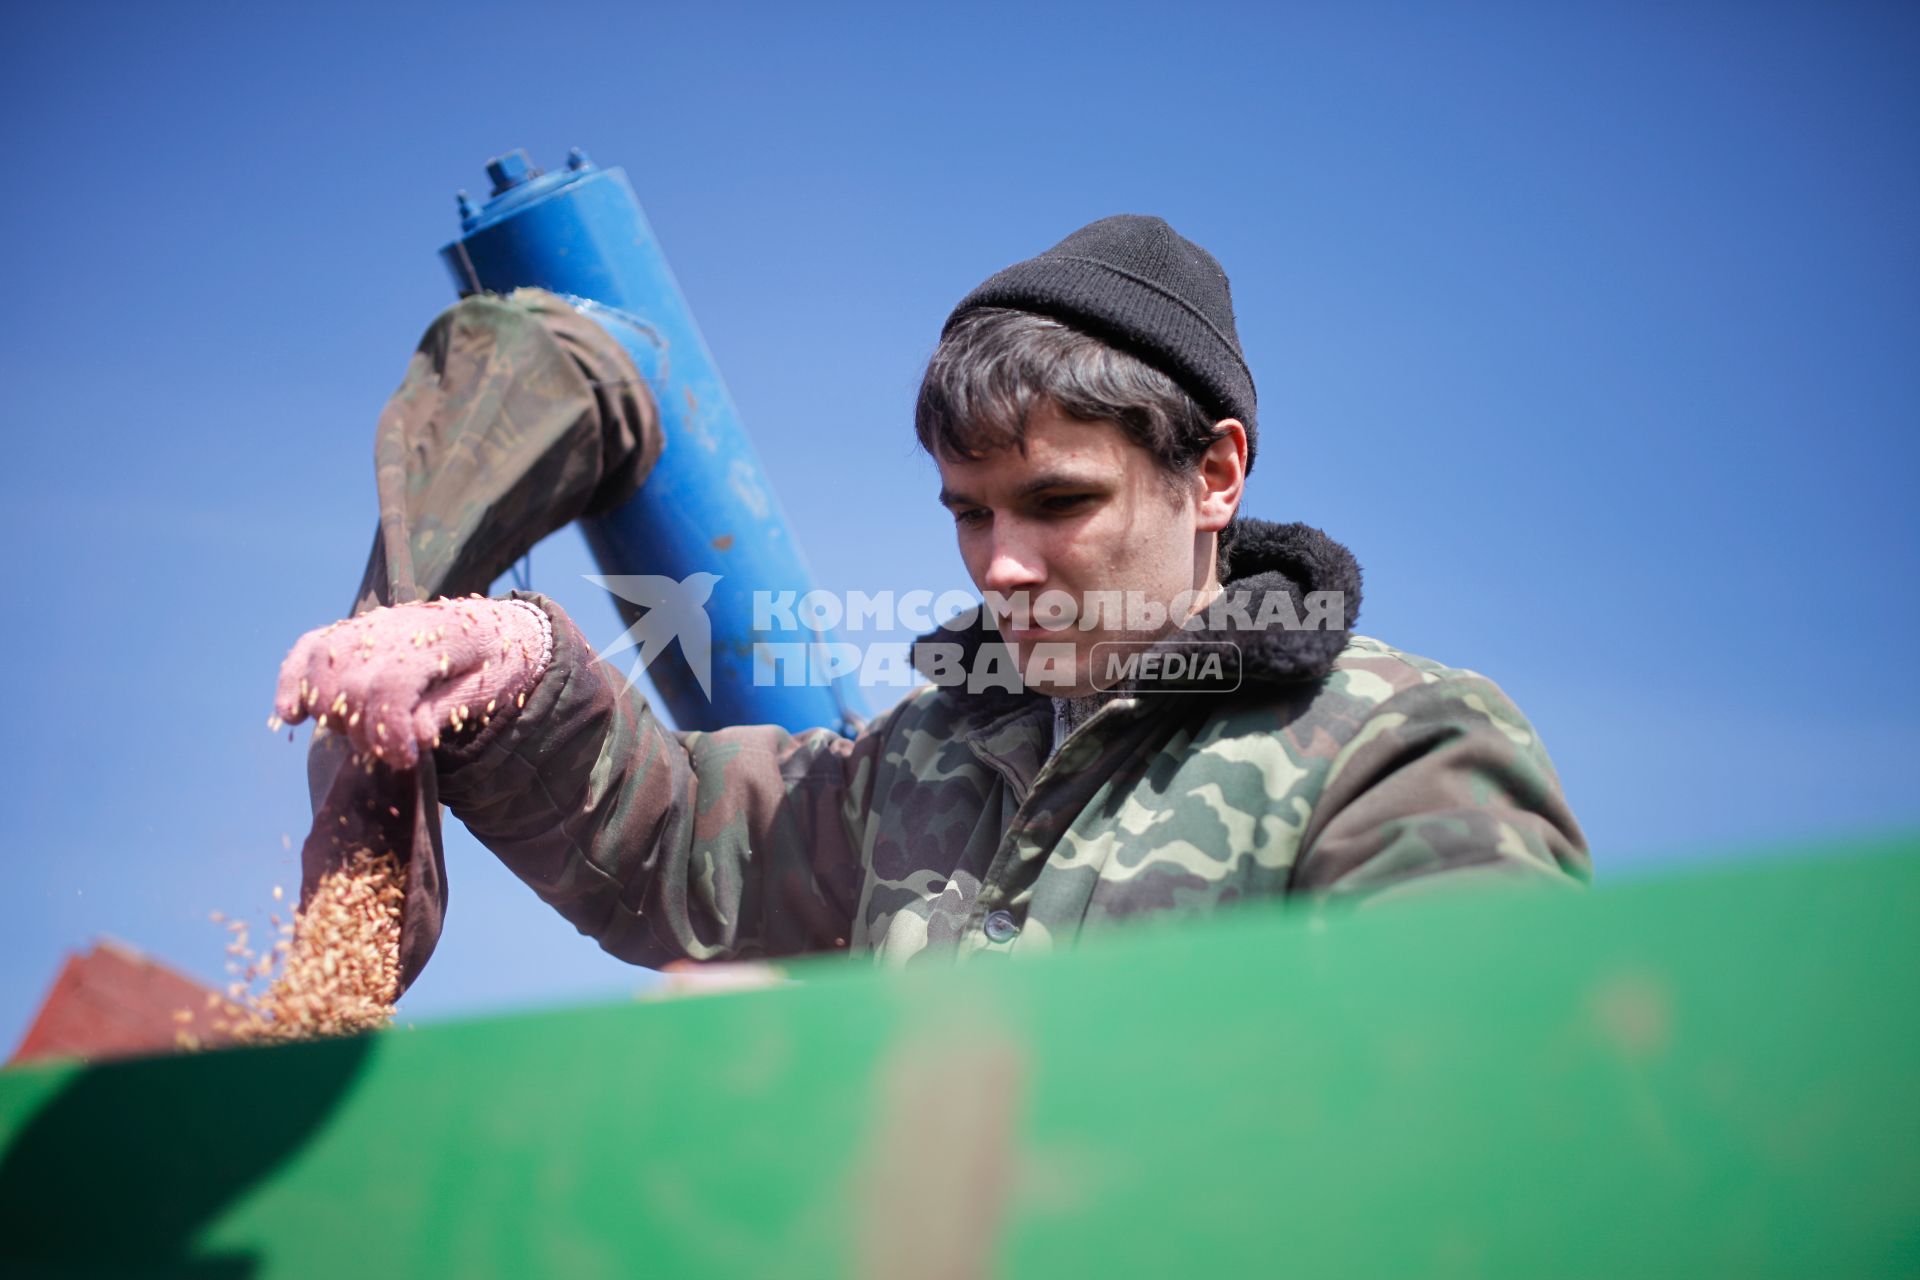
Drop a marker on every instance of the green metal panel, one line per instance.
(1709, 1073)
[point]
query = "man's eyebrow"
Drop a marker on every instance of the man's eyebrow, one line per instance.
(1056, 480)
(1039, 484)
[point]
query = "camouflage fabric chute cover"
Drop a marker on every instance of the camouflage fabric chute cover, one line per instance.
(517, 414)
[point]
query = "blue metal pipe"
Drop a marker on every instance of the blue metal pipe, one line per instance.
(707, 506)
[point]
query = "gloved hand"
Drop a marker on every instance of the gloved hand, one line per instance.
(393, 680)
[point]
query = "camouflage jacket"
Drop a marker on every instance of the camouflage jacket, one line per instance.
(1340, 768)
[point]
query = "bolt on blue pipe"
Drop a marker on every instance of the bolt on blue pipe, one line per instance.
(707, 507)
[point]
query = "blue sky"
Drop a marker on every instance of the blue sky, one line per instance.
(1591, 328)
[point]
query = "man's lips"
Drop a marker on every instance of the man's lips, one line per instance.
(1036, 635)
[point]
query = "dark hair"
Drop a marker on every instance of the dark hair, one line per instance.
(995, 366)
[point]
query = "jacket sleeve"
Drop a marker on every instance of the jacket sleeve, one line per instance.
(1446, 783)
(739, 843)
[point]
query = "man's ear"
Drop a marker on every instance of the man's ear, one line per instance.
(1222, 476)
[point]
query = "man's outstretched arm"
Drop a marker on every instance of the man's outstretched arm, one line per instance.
(661, 846)
(737, 843)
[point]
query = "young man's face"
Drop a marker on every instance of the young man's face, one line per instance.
(1082, 510)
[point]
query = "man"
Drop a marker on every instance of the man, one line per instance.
(1093, 421)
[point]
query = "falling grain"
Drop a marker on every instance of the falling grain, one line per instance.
(340, 972)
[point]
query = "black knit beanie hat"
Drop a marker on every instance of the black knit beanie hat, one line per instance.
(1135, 282)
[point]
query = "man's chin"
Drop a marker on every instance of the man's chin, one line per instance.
(1051, 667)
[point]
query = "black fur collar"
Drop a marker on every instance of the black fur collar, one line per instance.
(1265, 558)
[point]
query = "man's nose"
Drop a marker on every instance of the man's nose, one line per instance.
(1013, 561)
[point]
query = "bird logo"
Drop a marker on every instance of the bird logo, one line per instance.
(670, 611)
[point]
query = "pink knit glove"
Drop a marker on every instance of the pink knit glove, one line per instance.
(394, 679)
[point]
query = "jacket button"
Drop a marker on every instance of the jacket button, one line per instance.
(1001, 927)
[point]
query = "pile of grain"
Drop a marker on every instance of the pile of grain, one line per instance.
(338, 961)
